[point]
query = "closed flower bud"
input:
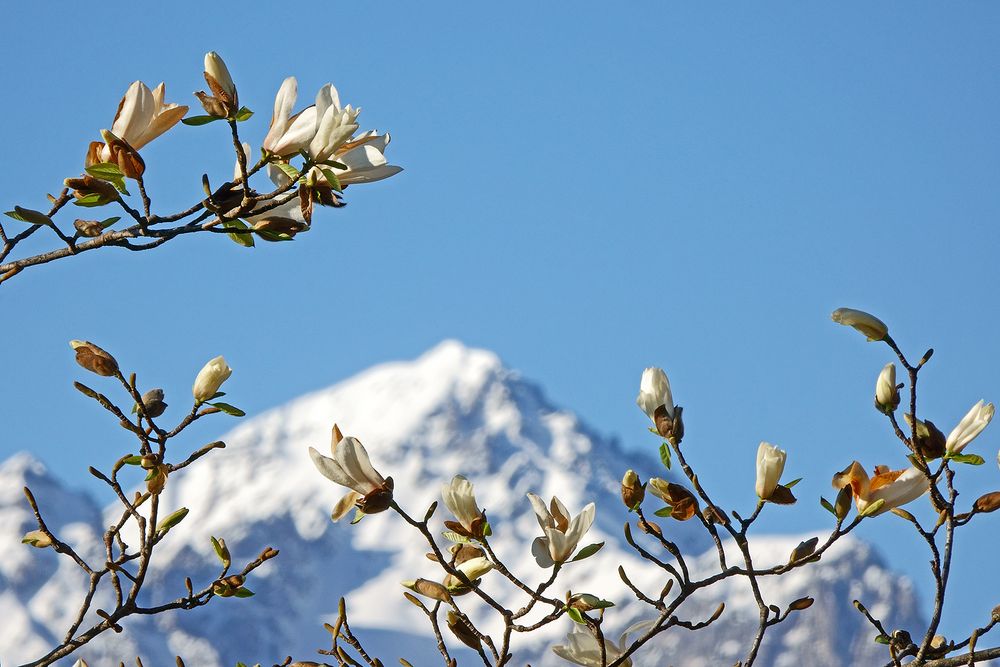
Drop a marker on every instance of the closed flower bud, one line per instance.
(930, 440)
(633, 491)
(464, 633)
(972, 425)
(279, 227)
(156, 478)
(427, 588)
(37, 539)
(657, 402)
(886, 393)
(83, 186)
(210, 378)
(871, 326)
(152, 403)
(681, 501)
(88, 228)
(989, 502)
(94, 359)
(770, 465)
(218, 78)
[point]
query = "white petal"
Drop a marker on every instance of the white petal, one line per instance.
(283, 103)
(331, 469)
(541, 511)
(353, 458)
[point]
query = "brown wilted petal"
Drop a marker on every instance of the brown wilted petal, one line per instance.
(782, 495)
(633, 490)
(213, 106)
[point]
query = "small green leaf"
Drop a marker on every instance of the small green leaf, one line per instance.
(172, 520)
(273, 236)
(290, 171)
(230, 410)
(874, 507)
(971, 459)
(243, 114)
(109, 171)
(588, 551)
(576, 615)
(133, 460)
(487, 529)
(243, 592)
(199, 120)
(245, 239)
(91, 200)
(664, 512)
(332, 179)
(334, 163)
(358, 516)
(218, 394)
(665, 455)
(827, 506)
(222, 551)
(883, 639)
(793, 483)
(455, 537)
(107, 222)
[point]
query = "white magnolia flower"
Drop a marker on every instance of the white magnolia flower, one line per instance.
(654, 391)
(562, 534)
(972, 424)
(886, 393)
(770, 465)
(475, 567)
(320, 129)
(210, 378)
(142, 116)
(460, 499)
(289, 134)
(871, 326)
(352, 468)
(365, 160)
(581, 647)
(895, 487)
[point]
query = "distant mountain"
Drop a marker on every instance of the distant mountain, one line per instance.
(453, 410)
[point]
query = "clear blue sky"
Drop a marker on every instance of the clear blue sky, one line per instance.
(588, 190)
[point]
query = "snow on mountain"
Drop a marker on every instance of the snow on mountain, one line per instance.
(453, 410)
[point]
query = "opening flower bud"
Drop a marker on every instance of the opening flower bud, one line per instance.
(872, 327)
(633, 491)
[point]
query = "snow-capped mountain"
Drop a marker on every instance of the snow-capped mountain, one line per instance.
(453, 410)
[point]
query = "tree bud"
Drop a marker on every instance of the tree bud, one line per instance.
(886, 392)
(37, 539)
(88, 228)
(633, 491)
(94, 359)
(152, 403)
(989, 502)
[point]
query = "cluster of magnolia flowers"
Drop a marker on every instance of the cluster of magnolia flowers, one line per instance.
(324, 134)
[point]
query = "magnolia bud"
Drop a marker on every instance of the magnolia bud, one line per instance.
(886, 393)
(988, 502)
(88, 228)
(871, 326)
(129, 161)
(633, 491)
(464, 633)
(219, 80)
(83, 186)
(37, 539)
(94, 359)
(770, 465)
(930, 440)
(152, 403)
(279, 226)
(210, 378)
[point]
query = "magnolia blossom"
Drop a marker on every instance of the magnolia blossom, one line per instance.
(654, 392)
(210, 378)
(142, 116)
(320, 129)
(364, 159)
(473, 569)
(221, 83)
(770, 465)
(562, 534)
(581, 646)
(352, 468)
(971, 425)
(290, 211)
(461, 501)
(871, 326)
(895, 487)
(886, 393)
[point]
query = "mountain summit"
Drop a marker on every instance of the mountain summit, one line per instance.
(452, 410)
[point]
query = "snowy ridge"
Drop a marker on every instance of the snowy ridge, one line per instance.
(452, 410)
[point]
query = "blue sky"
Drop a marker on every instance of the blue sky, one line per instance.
(587, 192)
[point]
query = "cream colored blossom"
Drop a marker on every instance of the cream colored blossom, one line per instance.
(972, 425)
(562, 534)
(770, 465)
(871, 326)
(210, 378)
(351, 467)
(895, 487)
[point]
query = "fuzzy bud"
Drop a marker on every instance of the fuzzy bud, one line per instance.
(94, 359)
(633, 490)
